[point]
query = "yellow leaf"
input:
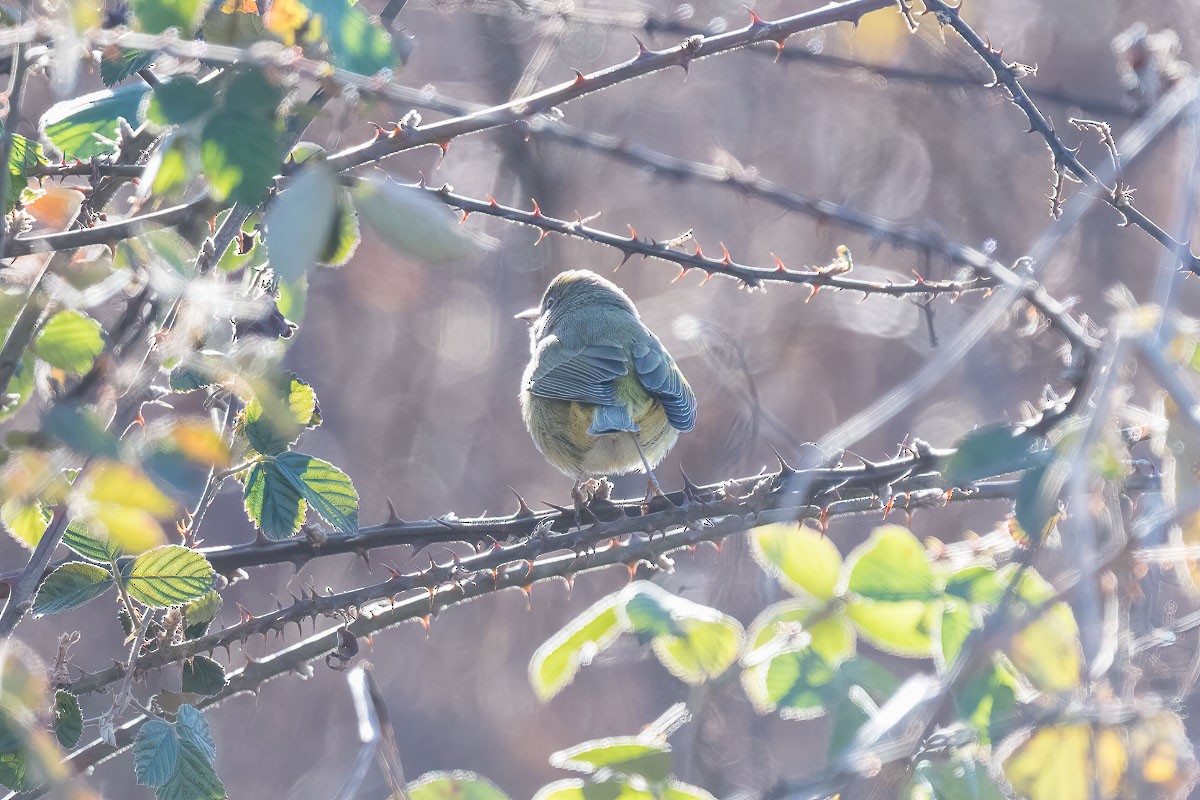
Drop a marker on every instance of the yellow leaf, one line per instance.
(199, 441)
(133, 530)
(125, 485)
(1047, 650)
(285, 18)
(1053, 764)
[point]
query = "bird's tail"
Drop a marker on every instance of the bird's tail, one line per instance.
(612, 419)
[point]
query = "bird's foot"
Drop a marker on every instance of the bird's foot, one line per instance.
(655, 499)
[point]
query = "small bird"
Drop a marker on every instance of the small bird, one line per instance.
(601, 395)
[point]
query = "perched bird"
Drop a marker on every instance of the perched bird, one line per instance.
(601, 395)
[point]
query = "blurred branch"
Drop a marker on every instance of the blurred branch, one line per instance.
(1008, 75)
(644, 63)
(377, 735)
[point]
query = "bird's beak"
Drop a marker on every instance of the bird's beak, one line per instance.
(529, 314)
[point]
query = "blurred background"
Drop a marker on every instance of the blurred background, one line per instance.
(417, 367)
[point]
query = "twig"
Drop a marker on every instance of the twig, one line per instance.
(1008, 75)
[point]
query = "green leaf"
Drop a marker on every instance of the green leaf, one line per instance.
(87, 126)
(168, 575)
(904, 627)
(847, 716)
(979, 585)
(1036, 504)
(628, 756)
(955, 624)
(792, 683)
(577, 789)
(25, 521)
(200, 613)
(71, 341)
(155, 16)
(272, 502)
(77, 538)
(694, 642)
(155, 753)
(203, 676)
(179, 100)
(68, 719)
(355, 42)
(962, 778)
(454, 786)
(300, 223)
(986, 698)
(70, 586)
(118, 65)
(829, 634)
(993, 450)
(277, 415)
(172, 165)
(193, 730)
(20, 387)
(415, 225)
(556, 662)
(805, 561)
(239, 150)
(223, 24)
(80, 429)
(24, 155)
(194, 778)
(344, 238)
(327, 489)
(891, 566)
(678, 790)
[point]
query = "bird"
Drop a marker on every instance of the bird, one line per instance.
(601, 395)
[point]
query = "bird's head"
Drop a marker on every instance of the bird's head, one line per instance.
(570, 293)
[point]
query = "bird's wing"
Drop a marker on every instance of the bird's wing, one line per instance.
(657, 372)
(583, 375)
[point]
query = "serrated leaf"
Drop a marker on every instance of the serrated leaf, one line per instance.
(891, 566)
(454, 786)
(68, 719)
(805, 561)
(272, 502)
(118, 65)
(993, 450)
(415, 225)
(625, 755)
(904, 627)
(77, 538)
(168, 575)
(155, 753)
(87, 126)
(155, 16)
(198, 614)
(194, 778)
(301, 221)
(71, 341)
(556, 662)
(276, 416)
(70, 586)
(203, 676)
(178, 100)
(193, 729)
(355, 43)
(239, 154)
(327, 489)
(25, 521)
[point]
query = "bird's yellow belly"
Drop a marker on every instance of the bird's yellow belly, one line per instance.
(559, 430)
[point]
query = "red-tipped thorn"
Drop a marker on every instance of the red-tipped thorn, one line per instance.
(643, 51)
(813, 289)
(708, 277)
(779, 267)
(444, 146)
(537, 210)
(542, 234)
(699, 252)
(725, 258)
(633, 234)
(682, 271)
(464, 216)
(580, 78)
(491, 201)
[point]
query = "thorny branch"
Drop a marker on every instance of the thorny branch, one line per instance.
(1009, 76)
